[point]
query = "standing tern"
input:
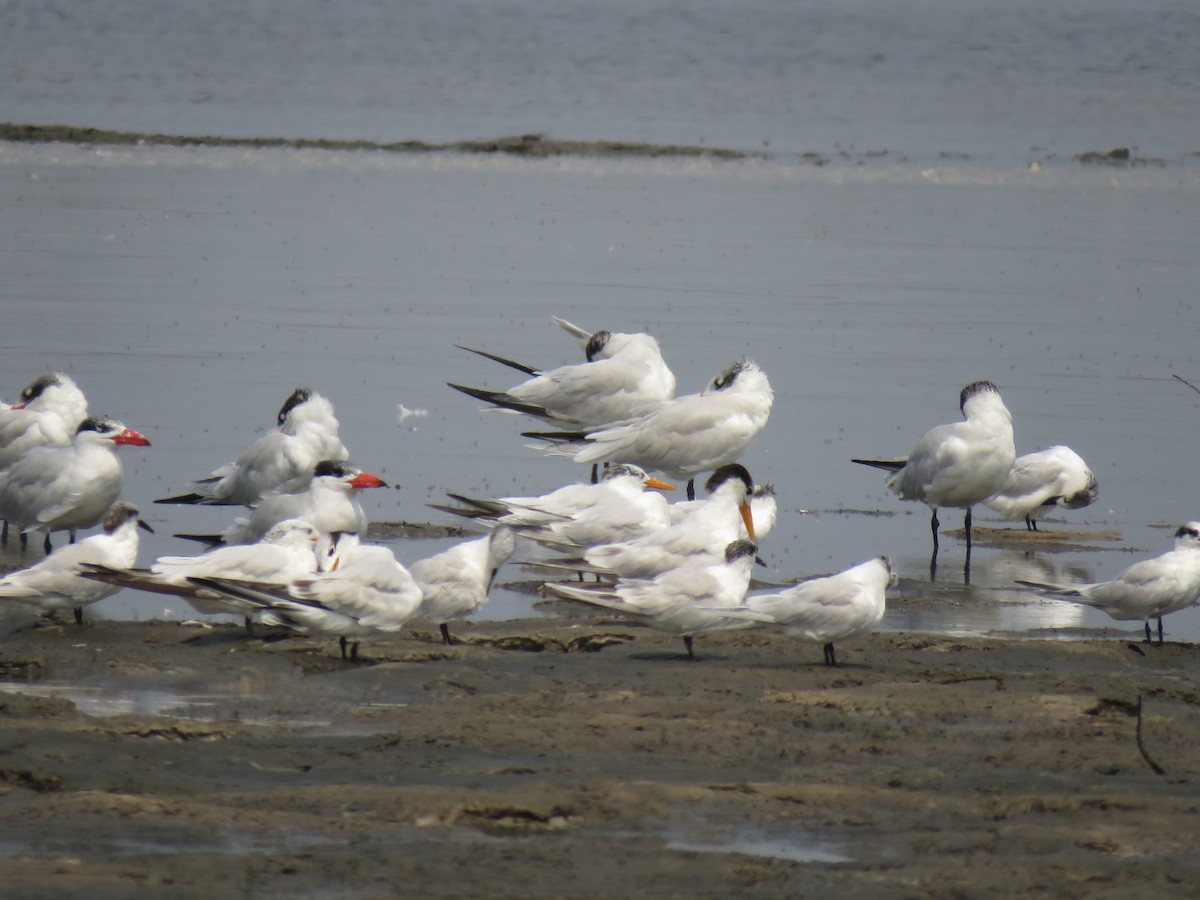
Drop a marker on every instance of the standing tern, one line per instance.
(57, 581)
(828, 609)
(366, 592)
(624, 375)
(1147, 590)
(329, 503)
(959, 464)
(281, 460)
(764, 511)
(680, 601)
(683, 437)
(623, 505)
(287, 552)
(1038, 482)
(455, 583)
(67, 488)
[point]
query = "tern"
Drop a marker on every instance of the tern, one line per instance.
(683, 437)
(624, 374)
(828, 609)
(67, 488)
(366, 592)
(959, 464)
(1147, 590)
(281, 460)
(287, 552)
(455, 583)
(680, 601)
(57, 581)
(329, 503)
(623, 505)
(1041, 481)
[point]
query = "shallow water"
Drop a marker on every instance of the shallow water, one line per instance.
(189, 291)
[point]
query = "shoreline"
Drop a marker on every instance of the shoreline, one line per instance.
(586, 754)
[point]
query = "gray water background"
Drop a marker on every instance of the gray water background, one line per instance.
(189, 290)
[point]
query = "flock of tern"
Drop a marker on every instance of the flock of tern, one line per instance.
(296, 556)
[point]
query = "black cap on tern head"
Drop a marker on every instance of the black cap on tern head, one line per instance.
(334, 467)
(975, 387)
(35, 388)
(596, 343)
(726, 472)
(740, 550)
(299, 395)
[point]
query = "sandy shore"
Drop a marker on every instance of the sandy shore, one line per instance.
(587, 756)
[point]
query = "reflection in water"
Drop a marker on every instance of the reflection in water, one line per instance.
(779, 840)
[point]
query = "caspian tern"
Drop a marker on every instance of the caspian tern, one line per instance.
(57, 583)
(47, 415)
(1038, 482)
(281, 460)
(1147, 590)
(329, 503)
(67, 488)
(828, 609)
(959, 464)
(367, 592)
(456, 582)
(287, 552)
(624, 375)
(679, 601)
(682, 437)
(622, 506)
(699, 539)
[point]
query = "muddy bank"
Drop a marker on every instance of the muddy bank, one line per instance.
(546, 758)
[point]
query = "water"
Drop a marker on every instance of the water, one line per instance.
(189, 291)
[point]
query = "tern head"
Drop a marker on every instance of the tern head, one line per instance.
(292, 531)
(352, 476)
(736, 476)
(1085, 497)
(736, 550)
(977, 393)
(629, 470)
(1188, 536)
(121, 512)
(298, 396)
(596, 344)
(106, 429)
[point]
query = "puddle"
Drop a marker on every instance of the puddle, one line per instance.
(774, 841)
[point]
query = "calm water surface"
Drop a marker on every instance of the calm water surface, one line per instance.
(189, 291)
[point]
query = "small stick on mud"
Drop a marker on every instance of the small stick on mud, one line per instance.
(1158, 770)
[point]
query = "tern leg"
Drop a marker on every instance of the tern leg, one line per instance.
(24, 541)
(934, 524)
(445, 634)
(691, 489)
(967, 526)
(354, 652)
(79, 615)
(46, 543)
(72, 540)
(4, 534)
(1030, 524)
(687, 642)
(830, 658)
(249, 622)
(1160, 630)
(342, 645)
(595, 473)
(1148, 638)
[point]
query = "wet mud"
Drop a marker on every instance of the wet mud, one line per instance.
(577, 755)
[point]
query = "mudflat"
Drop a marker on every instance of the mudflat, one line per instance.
(587, 756)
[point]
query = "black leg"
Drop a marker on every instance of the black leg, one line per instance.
(1029, 524)
(354, 652)
(46, 543)
(73, 533)
(4, 534)
(934, 524)
(687, 642)
(445, 634)
(691, 489)
(1160, 630)
(79, 615)
(595, 473)
(342, 645)
(1148, 638)
(830, 658)
(249, 622)
(967, 526)
(24, 541)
